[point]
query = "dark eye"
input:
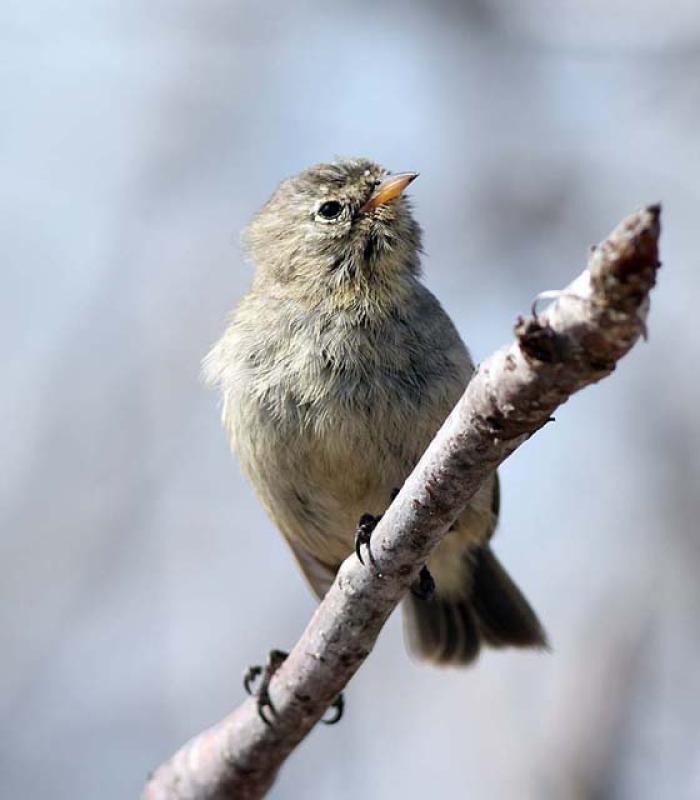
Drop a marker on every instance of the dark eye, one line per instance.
(330, 209)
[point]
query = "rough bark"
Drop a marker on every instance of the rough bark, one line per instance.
(575, 342)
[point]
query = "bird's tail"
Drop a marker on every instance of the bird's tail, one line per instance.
(492, 611)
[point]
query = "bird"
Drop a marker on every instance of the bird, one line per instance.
(335, 372)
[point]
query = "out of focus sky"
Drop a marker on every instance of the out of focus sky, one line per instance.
(139, 576)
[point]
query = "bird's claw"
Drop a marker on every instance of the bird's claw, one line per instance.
(424, 587)
(262, 694)
(338, 706)
(363, 536)
(250, 675)
(365, 528)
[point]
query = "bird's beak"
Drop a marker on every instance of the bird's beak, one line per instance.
(389, 189)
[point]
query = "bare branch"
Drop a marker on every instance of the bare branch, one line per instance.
(575, 342)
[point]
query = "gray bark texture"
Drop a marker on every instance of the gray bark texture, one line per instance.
(576, 341)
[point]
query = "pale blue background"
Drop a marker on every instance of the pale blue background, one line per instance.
(138, 574)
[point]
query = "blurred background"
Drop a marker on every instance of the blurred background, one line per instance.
(139, 575)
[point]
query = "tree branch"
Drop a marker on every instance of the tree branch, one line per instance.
(575, 342)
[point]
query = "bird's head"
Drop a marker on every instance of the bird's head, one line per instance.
(343, 231)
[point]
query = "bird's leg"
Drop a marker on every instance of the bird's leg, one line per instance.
(262, 694)
(424, 587)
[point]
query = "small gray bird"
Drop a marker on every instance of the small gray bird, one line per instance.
(336, 371)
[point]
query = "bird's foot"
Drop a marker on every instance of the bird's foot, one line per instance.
(365, 528)
(424, 587)
(363, 535)
(262, 694)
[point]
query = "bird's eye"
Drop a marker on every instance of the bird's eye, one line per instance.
(330, 209)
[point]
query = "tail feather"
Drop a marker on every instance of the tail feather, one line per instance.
(505, 616)
(493, 611)
(441, 631)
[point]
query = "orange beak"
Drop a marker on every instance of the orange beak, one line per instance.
(389, 189)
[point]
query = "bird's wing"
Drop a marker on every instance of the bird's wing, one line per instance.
(320, 576)
(496, 499)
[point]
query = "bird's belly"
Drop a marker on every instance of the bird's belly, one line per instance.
(318, 478)
(342, 478)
